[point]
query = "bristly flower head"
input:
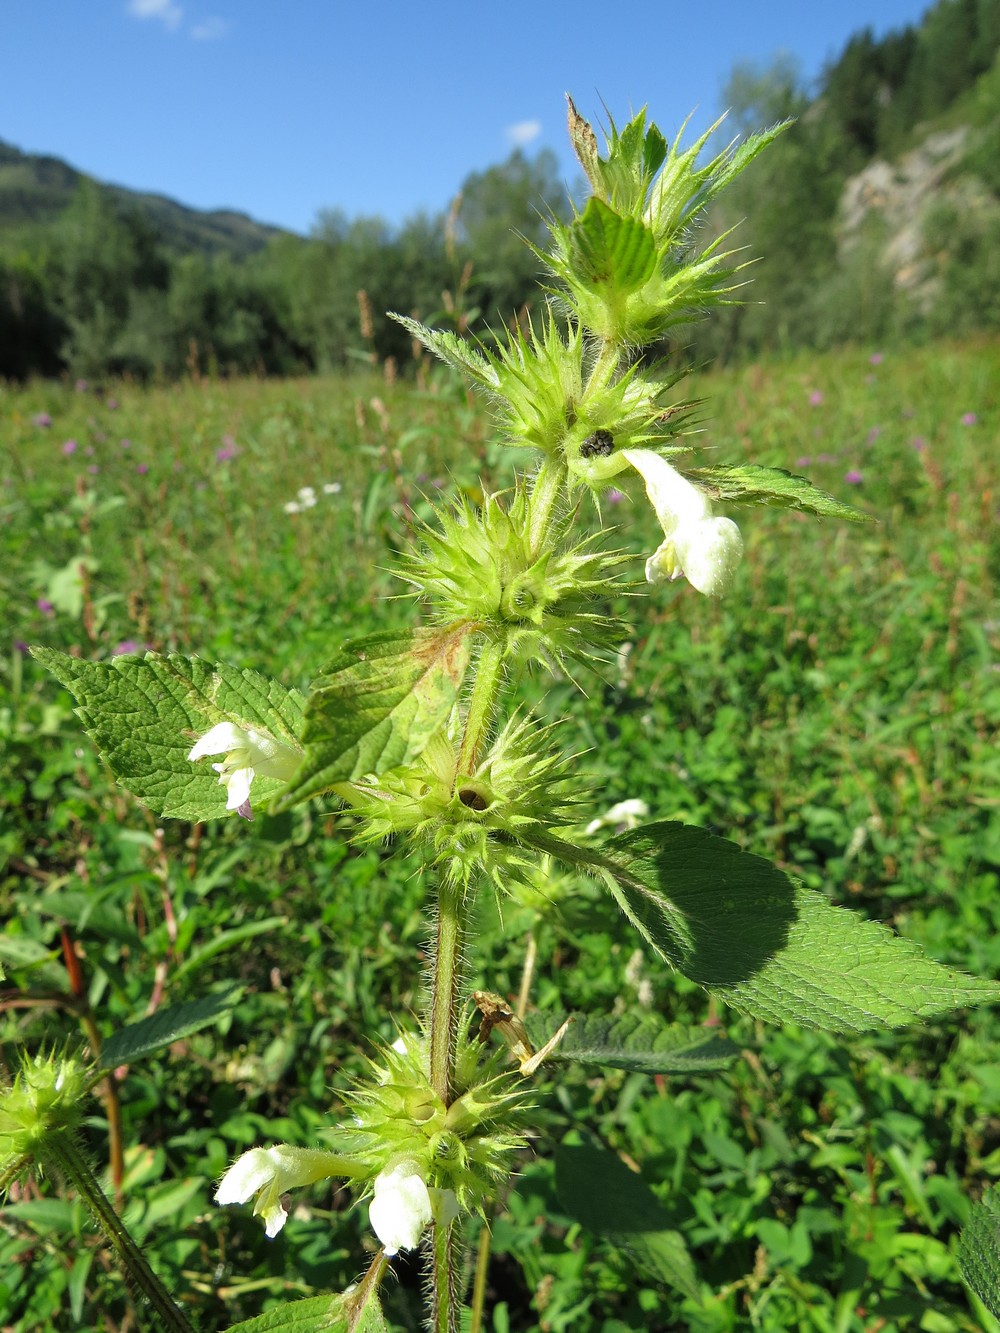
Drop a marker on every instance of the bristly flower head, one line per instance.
(543, 603)
(473, 825)
(47, 1096)
(403, 1132)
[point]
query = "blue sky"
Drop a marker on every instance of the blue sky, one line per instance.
(281, 108)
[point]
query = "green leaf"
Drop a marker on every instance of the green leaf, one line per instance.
(748, 483)
(597, 1189)
(612, 250)
(166, 1025)
(738, 925)
(979, 1250)
(456, 351)
(639, 1042)
(355, 1311)
(378, 703)
(145, 713)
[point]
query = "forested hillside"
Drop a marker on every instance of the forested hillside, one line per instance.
(876, 217)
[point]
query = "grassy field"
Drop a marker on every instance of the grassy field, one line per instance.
(837, 713)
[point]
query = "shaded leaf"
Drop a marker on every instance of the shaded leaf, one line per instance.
(145, 713)
(738, 925)
(597, 1189)
(165, 1026)
(641, 1042)
(378, 703)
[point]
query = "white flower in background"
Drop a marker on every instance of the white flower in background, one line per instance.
(624, 815)
(697, 544)
(292, 507)
(403, 1205)
(307, 497)
(269, 1173)
(332, 488)
(248, 753)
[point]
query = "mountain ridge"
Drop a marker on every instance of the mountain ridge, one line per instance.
(35, 188)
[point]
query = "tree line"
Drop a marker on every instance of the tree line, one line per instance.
(101, 292)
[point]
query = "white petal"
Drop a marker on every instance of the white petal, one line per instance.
(237, 785)
(220, 739)
(676, 500)
(710, 554)
(401, 1207)
(248, 1174)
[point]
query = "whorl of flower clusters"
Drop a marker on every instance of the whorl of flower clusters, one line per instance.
(487, 565)
(474, 825)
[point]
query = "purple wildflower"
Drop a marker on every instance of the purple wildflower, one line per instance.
(969, 419)
(111, 404)
(42, 419)
(918, 443)
(815, 398)
(81, 386)
(21, 647)
(126, 444)
(804, 461)
(127, 646)
(874, 433)
(93, 468)
(142, 468)
(876, 359)
(69, 447)
(853, 477)
(44, 605)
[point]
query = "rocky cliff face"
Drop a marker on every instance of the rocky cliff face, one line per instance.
(888, 202)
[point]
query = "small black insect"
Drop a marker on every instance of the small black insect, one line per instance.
(598, 445)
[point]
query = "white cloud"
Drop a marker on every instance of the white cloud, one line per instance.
(210, 30)
(166, 11)
(523, 133)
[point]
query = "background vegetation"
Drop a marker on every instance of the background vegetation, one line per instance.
(95, 281)
(837, 712)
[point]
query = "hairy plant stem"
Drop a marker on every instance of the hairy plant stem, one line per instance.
(606, 365)
(546, 489)
(486, 1235)
(61, 1152)
(482, 701)
(446, 1287)
(446, 989)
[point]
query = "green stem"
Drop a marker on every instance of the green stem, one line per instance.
(482, 1270)
(489, 674)
(446, 1293)
(62, 1152)
(546, 490)
(604, 368)
(446, 996)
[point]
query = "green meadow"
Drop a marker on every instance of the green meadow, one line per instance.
(837, 712)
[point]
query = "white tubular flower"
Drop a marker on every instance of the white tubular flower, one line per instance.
(247, 753)
(624, 815)
(699, 545)
(271, 1172)
(401, 1207)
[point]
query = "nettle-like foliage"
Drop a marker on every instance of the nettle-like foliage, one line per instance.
(417, 732)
